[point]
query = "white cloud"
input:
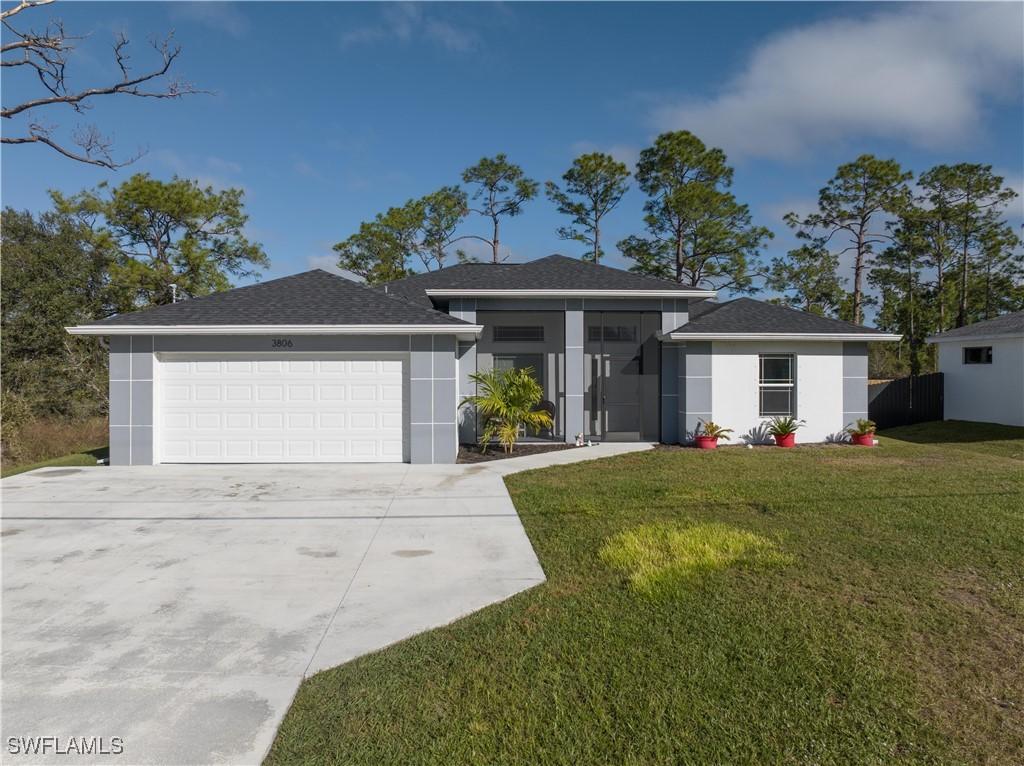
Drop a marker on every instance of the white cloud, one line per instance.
(305, 169)
(224, 17)
(922, 74)
(405, 22)
(622, 152)
(206, 171)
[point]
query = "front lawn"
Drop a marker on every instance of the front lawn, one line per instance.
(86, 457)
(825, 604)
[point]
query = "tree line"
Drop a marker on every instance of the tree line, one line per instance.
(928, 254)
(100, 252)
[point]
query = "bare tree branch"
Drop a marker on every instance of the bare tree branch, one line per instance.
(22, 6)
(47, 52)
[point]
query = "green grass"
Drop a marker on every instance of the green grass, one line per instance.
(78, 458)
(889, 627)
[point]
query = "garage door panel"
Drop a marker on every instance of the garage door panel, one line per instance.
(238, 409)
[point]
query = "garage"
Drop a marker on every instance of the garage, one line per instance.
(310, 368)
(273, 408)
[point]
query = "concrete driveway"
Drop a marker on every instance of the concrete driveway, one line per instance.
(179, 607)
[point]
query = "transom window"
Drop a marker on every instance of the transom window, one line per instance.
(978, 355)
(612, 333)
(521, 333)
(776, 385)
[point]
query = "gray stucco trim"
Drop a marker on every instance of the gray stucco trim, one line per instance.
(433, 399)
(670, 393)
(466, 364)
(430, 388)
(674, 313)
(855, 382)
(694, 387)
(575, 418)
(131, 400)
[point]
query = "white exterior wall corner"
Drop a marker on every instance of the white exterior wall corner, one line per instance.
(819, 388)
(987, 393)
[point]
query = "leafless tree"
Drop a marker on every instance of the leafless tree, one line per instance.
(47, 53)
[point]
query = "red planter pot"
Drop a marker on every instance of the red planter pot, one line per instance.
(707, 442)
(789, 440)
(863, 440)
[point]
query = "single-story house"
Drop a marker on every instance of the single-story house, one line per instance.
(982, 367)
(318, 368)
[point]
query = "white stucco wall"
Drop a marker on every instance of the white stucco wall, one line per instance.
(989, 393)
(819, 387)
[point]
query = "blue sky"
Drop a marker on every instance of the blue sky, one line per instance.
(327, 113)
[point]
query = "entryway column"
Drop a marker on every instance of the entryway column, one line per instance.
(574, 414)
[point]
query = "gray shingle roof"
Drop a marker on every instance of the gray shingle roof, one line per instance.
(311, 298)
(746, 315)
(554, 272)
(1007, 324)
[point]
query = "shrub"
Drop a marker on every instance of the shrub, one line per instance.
(507, 401)
(37, 439)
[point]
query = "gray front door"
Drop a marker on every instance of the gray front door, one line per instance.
(614, 351)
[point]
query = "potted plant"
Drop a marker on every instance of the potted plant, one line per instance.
(709, 433)
(784, 430)
(507, 402)
(863, 433)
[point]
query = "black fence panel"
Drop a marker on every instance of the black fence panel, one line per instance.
(906, 401)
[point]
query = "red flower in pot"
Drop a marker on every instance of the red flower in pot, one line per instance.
(784, 430)
(863, 433)
(709, 433)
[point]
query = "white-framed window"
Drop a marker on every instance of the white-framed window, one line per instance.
(777, 385)
(977, 355)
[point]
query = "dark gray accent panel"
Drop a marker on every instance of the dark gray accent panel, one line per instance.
(575, 418)
(466, 415)
(669, 394)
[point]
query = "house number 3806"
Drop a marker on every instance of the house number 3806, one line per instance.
(281, 343)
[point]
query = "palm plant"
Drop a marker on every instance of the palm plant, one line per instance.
(863, 427)
(506, 401)
(784, 426)
(713, 430)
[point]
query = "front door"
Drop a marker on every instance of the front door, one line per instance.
(614, 380)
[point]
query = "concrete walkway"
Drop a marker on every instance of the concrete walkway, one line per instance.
(179, 607)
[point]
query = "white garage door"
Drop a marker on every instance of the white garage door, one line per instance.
(279, 408)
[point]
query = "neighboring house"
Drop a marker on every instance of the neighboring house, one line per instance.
(983, 370)
(316, 368)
